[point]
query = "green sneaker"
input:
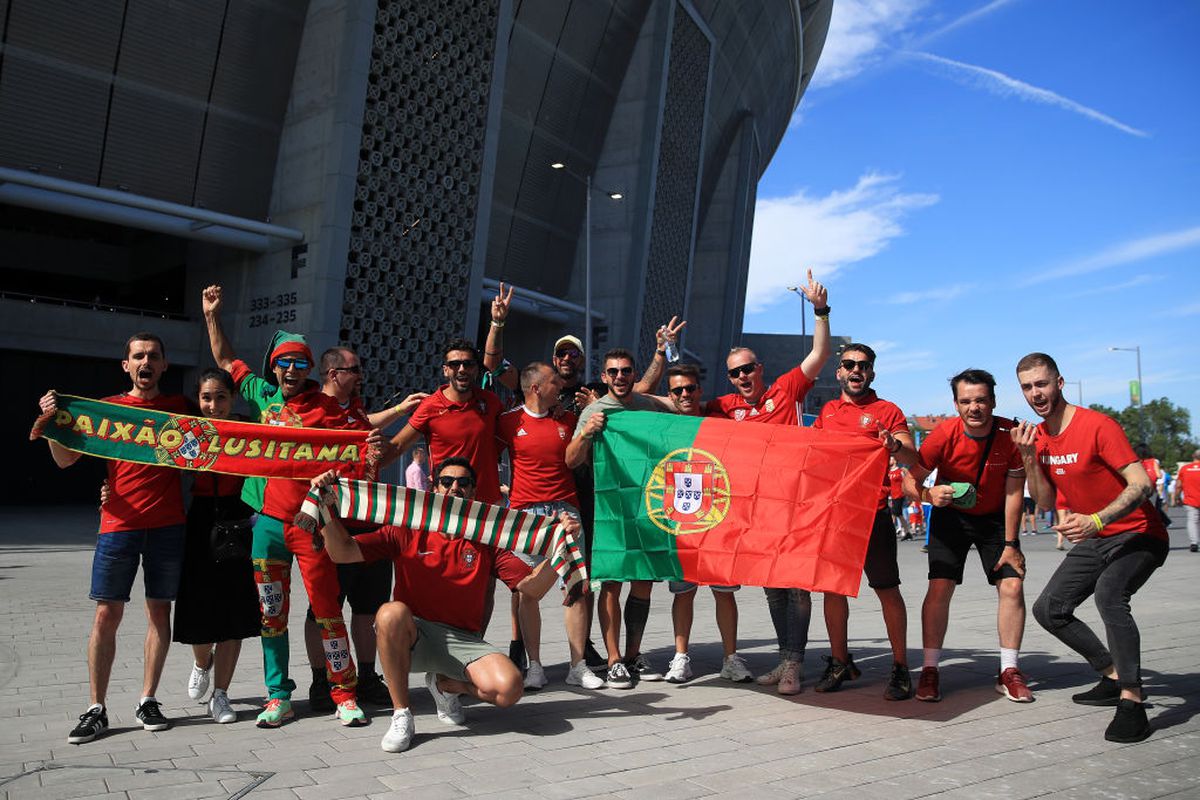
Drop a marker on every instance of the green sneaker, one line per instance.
(276, 712)
(350, 715)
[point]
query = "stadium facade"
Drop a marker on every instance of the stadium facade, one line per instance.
(368, 172)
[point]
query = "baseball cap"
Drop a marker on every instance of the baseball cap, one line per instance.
(571, 340)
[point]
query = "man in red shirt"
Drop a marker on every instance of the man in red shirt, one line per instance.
(978, 500)
(297, 401)
(779, 404)
(1187, 484)
(896, 499)
(860, 411)
(433, 621)
(143, 520)
(1118, 537)
(542, 483)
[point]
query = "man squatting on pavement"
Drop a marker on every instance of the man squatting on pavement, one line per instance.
(978, 500)
(143, 520)
(419, 630)
(1117, 535)
(791, 609)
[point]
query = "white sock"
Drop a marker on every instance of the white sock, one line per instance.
(932, 656)
(1008, 658)
(144, 699)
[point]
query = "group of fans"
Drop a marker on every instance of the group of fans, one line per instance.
(444, 587)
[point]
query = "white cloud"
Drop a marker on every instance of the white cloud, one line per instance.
(858, 34)
(965, 19)
(824, 233)
(1117, 255)
(935, 294)
(1188, 310)
(1137, 280)
(1006, 86)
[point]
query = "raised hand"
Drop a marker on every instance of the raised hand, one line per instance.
(210, 300)
(501, 302)
(816, 292)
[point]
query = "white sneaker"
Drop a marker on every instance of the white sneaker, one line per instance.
(449, 709)
(198, 682)
(535, 676)
(770, 678)
(399, 734)
(735, 669)
(581, 675)
(219, 708)
(790, 677)
(680, 668)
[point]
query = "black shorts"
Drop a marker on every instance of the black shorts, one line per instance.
(896, 506)
(366, 584)
(951, 534)
(882, 570)
(1028, 505)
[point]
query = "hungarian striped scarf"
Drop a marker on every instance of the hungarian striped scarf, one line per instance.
(452, 517)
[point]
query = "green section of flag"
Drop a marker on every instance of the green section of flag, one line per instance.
(626, 544)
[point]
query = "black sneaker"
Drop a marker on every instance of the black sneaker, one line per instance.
(836, 673)
(151, 716)
(1194, 548)
(92, 723)
(1129, 724)
(371, 689)
(592, 658)
(618, 677)
(1104, 693)
(899, 685)
(516, 654)
(319, 699)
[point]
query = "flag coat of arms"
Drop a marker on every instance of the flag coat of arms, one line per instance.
(715, 501)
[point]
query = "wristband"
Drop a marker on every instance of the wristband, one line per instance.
(662, 353)
(497, 324)
(1014, 544)
(1097, 521)
(823, 311)
(899, 446)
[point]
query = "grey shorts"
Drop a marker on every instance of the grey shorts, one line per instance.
(683, 587)
(446, 650)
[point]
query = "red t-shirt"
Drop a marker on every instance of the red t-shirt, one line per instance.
(865, 416)
(356, 415)
(895, 483)
(777, 405)
(1151, 467)
(442, 580)
(955, 456)
(1189, 483)
(538, 446)
(466, 430)
(143, 496)
(1083, 462)
(311, 408)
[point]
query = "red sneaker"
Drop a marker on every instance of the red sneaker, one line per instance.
(1011, 684)
(929, 688)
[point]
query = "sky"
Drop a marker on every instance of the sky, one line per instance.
(977, 180)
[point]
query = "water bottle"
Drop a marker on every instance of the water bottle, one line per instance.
(669, 349)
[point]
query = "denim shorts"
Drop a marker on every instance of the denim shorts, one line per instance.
(115, 563)
(551, 509)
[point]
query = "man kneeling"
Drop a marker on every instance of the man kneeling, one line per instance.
(434, 620)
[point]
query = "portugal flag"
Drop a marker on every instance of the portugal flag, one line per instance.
(715, 501)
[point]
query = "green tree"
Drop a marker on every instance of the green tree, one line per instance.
(1162, 425)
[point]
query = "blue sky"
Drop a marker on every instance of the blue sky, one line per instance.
(976, 180)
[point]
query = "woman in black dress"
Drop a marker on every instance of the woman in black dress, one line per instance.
(217, 604)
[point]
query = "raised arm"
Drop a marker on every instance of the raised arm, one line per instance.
(63, 457)
(493, 348)
(222, 351)
(654, 372)
(822, 347)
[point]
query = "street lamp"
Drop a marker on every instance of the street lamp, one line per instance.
(586, 180)
(1137, 348)
(803, 318)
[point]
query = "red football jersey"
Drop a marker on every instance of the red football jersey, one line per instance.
(538, 445)
(777, 405)
(442, 580)
(867, 416)
(956, 456)
(1189, 483)
(895, 483)
(143, 496)
(467, 430)
(1083, 462)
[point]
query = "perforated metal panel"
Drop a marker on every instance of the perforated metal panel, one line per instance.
(672, 233)
(409, 263)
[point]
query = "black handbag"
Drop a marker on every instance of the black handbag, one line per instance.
(230, 539)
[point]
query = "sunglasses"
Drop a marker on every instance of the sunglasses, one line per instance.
(567, 352)
(687, 387)
(613, 372)
(298, 363)
(744, 369)
(466, 363)
(446, 481)
(355, 370)
(849, 364)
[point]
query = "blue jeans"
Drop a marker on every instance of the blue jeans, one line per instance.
(115, 563)
(1113, 568)
(791, 610)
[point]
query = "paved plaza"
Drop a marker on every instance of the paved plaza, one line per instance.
(655, 742)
